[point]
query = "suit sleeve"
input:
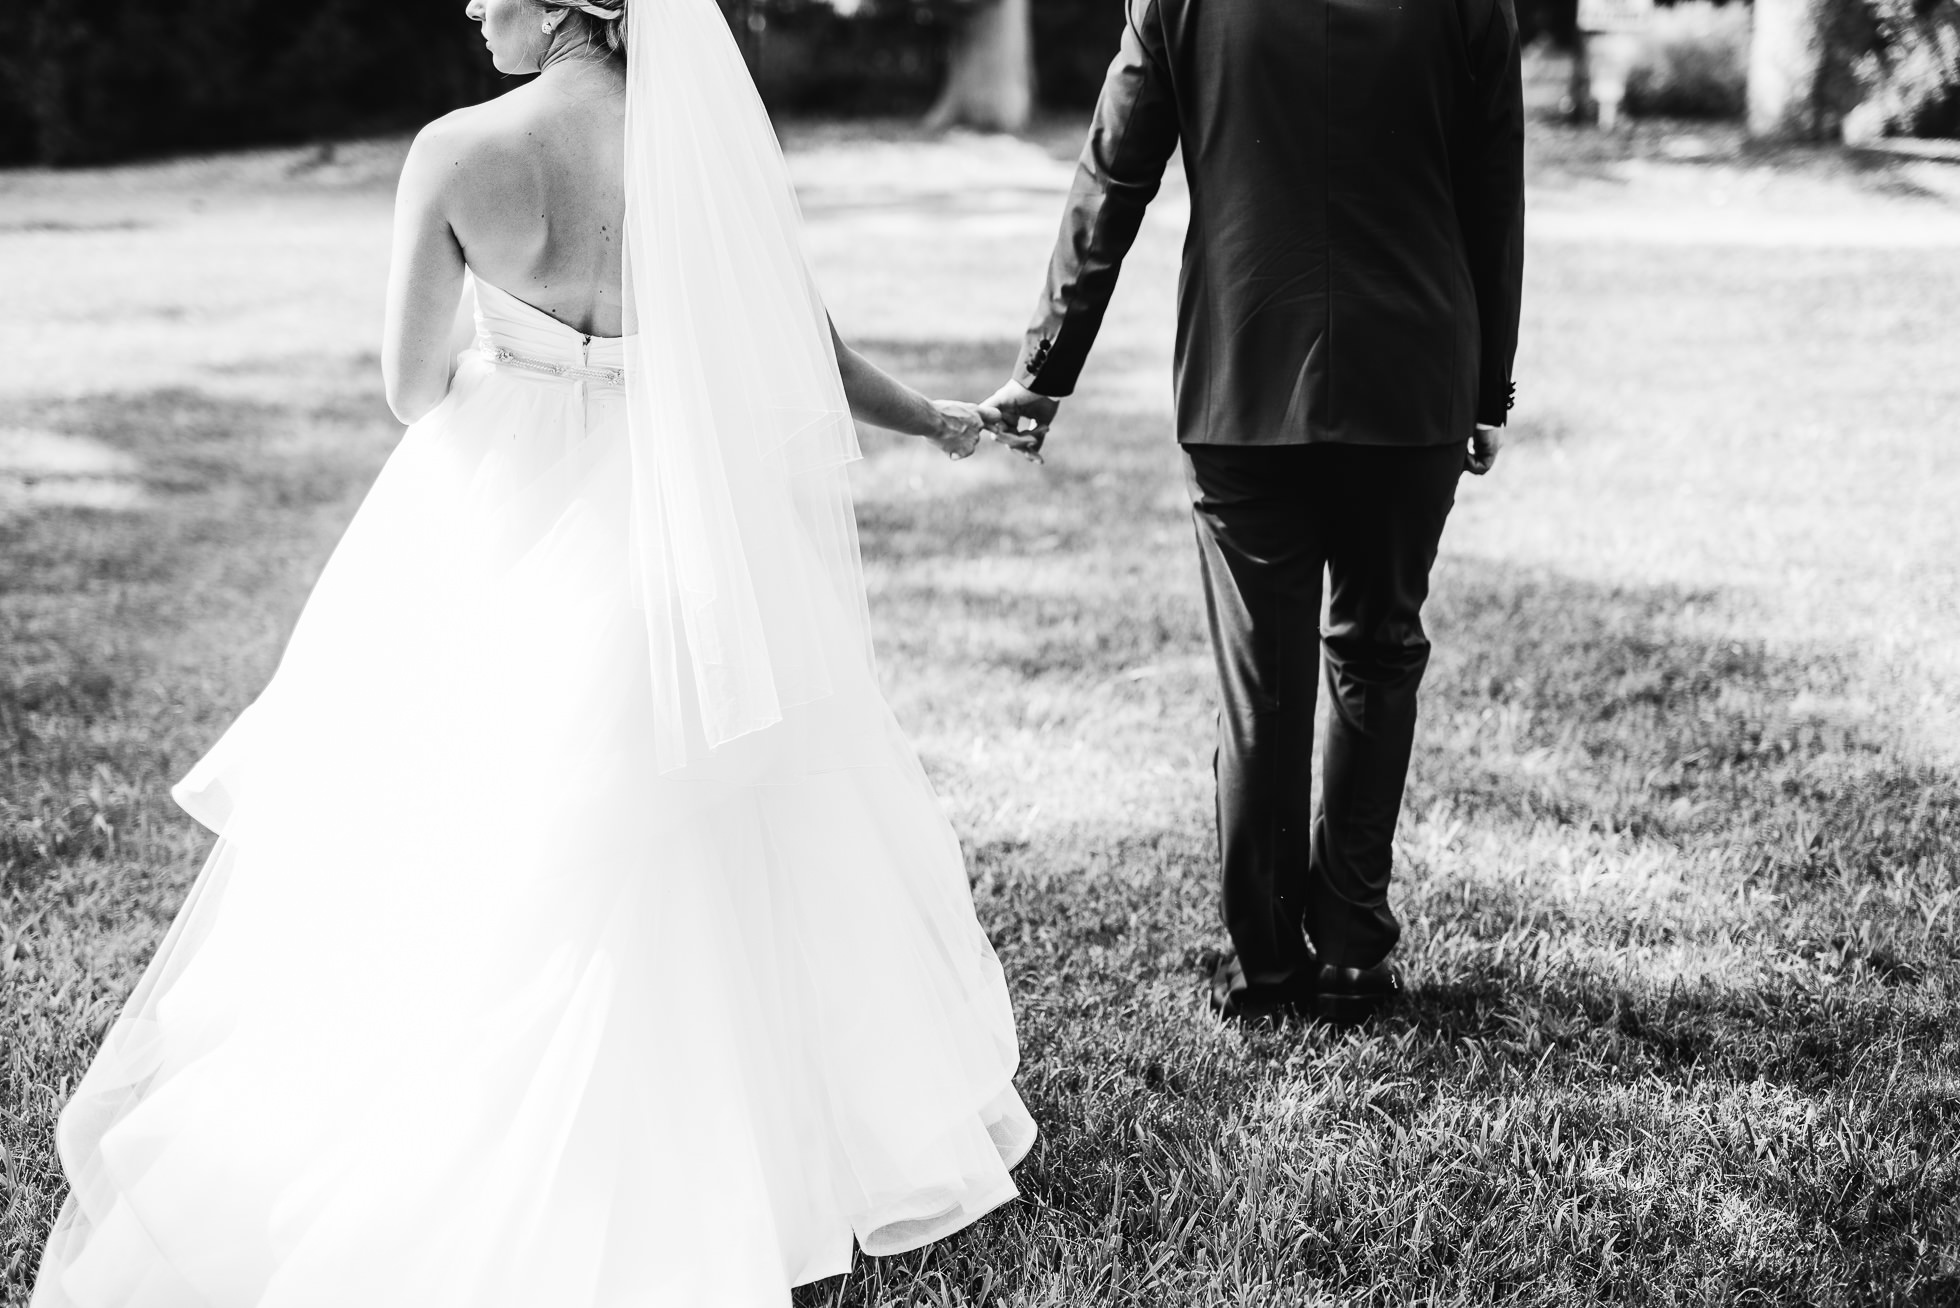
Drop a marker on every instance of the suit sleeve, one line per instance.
(1130, 141)
(1490, 202)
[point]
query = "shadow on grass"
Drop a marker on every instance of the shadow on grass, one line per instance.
(1608, 718)
(1680, 934)
(287, 452)
(1666, 885)
(240, 498)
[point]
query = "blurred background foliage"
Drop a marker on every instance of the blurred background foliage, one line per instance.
(118, 79)
(115, 79)
(112, 79)
(1910, 68)
(1694, 63)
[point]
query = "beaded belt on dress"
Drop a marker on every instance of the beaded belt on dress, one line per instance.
(570, 371)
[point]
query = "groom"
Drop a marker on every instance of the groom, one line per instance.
(1347, 317)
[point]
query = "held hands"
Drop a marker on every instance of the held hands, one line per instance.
(1015, 417)
(961, 425)
(1026, 418)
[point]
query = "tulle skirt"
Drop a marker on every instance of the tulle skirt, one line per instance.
(471, 1005)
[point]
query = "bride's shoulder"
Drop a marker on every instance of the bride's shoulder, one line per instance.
(473, 129)
(457, 148)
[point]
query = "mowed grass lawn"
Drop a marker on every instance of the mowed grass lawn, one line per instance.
(1680, 860)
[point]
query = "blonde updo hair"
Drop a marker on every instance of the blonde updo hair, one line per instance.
(608, 34)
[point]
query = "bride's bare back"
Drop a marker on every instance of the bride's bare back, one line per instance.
(527, 191)
(539, 200)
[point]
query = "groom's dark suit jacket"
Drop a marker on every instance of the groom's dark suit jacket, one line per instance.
(1352, 266)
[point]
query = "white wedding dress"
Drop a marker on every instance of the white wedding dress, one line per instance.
(476, 1004)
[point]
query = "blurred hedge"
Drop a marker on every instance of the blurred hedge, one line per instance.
(1893, 63)
(82, 82)
(1911, 73)
(86, 81)
(113, 79)
(1693, 63)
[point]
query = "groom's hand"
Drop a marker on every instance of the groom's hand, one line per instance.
(1025, 419)
(1484, 445)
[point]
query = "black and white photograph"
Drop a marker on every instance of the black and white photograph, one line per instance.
(979, 653)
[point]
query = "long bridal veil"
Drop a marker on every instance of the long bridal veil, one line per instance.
(748, 548)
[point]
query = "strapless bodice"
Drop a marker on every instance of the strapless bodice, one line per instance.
(520, 335)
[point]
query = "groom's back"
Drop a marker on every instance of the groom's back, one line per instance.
(1312, 114)
(1318, 141)
(1341, 156)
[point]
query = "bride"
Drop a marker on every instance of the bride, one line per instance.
(581, 929)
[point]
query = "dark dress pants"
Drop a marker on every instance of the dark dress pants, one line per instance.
(1271, 521)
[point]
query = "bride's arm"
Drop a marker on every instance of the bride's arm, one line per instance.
(425, 281)
(882, 400)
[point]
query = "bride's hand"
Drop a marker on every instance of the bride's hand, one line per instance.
(961, 425)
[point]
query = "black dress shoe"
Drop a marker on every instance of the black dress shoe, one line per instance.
(1346, 996)
(1235, 999)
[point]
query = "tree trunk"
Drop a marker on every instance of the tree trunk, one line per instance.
(1789, 50)
(990, 84)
